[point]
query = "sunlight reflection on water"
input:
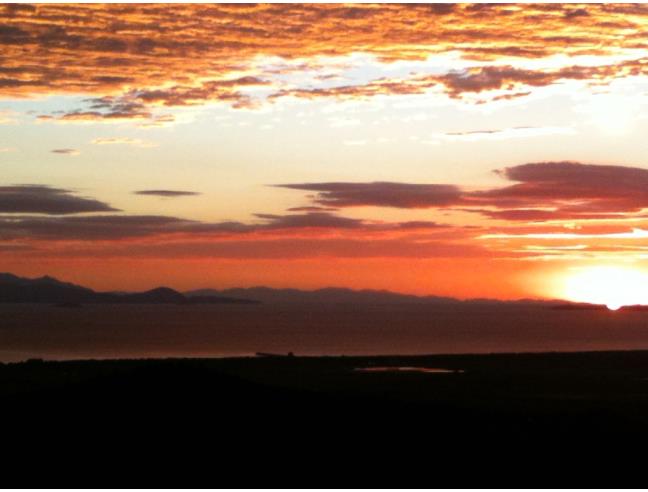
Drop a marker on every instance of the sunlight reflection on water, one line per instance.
(427, 370)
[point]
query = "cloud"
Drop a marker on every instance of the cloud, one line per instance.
(504, 134)
(144, 119)
(566, 190)
(380, 194)
(166, 193)
(138, 104)
(276, 236)
(133, 59)
(90, 228)
(542, 191)
(66, 151)
(593, 205)
(472, 81)
(310, 220)
(312, 208)
(213, 90)
(7, 117)
(135, 142)
(45, 200)
(118, 227)
(103, 109)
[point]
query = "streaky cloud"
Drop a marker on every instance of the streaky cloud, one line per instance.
(380, 194)
(166, 193)
(41, 199)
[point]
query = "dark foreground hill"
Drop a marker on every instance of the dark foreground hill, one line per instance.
(464, 420)
(50, 290)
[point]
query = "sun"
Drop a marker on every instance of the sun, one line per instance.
(614, 287)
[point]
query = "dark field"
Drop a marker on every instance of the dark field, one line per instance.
(298, 421)
(159, 331)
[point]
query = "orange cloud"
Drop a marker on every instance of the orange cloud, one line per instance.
(564, 203)
(134, 57)
(474, 80)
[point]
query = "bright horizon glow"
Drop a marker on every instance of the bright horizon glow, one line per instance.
(614, 287)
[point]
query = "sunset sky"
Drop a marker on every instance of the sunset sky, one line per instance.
(466, 150)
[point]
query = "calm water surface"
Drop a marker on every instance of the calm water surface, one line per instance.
(28, 331)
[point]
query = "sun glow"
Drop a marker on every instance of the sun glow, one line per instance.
(614, 287)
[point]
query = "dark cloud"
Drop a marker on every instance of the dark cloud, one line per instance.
(309, 220)
(568, 189)
(221, 90)
(442, 8)
(312, 208)
(45, 200)
(542, 191)
(323, 220)
(92, 228)
(491, 78)
(117, 227)
(18, 8)
(417, 224)
(105, 108)
(12, 35)
(479, 79)
(65, 151)
(381, 194)
(136, 104)
(166, 193)
(514, 95)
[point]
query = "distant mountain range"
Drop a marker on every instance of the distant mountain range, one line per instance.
(328, 295)
(15, 289)
(334, 295)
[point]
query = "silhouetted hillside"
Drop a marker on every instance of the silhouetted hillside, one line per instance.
(45, 289)
(481, 412)
(15, 289)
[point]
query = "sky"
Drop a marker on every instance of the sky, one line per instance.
(446, 149)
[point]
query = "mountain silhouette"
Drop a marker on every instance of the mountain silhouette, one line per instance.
(44, 289)
(336, 295)
(333, 295)
(14, 289)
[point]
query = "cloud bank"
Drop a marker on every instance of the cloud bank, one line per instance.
(598, 208)
(134, 60)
